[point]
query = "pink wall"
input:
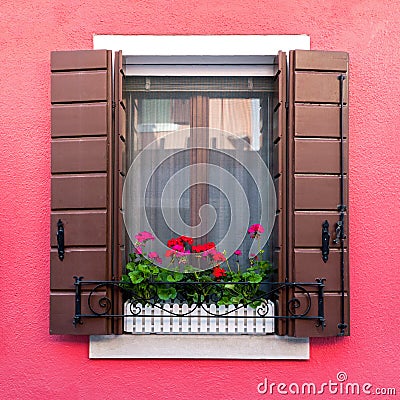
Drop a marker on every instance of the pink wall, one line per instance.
(35, 365)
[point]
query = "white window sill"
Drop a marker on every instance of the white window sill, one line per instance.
(244, 347)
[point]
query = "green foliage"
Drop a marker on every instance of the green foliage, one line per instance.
(150, 283)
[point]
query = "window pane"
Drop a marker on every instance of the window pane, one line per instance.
(199, 161)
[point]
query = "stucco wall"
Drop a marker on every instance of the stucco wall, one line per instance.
(34, 365)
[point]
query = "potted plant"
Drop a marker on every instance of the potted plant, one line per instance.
(224, 289)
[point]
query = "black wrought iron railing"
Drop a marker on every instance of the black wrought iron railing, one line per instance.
(101, 297)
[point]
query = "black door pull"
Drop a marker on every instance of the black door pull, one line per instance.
(60, 239)
(325, 241)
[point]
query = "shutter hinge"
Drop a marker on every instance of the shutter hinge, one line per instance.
(286, 104)
(113, 105)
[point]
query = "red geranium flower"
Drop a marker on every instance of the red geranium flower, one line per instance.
(170, 253)
(218, 257)
(219, 272)
(203, 247)
(198, 248)
(173, 242)
(186, 239)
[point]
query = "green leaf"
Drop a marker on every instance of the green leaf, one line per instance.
(162, 276)
(237, 299)
(224, 301)
(255, 278)
(189, 268)
(198, 299)
(166, 293)
(136, 277)
(178, 276)
(170, 278)
(131, 266)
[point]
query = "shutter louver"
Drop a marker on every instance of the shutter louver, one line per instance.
(80, 182)
(119, 137)
(279, 177)
(314, 183)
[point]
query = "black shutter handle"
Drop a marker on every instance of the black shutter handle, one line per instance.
(60, 239)
(325, 241)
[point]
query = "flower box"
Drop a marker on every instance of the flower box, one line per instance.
(207, 319)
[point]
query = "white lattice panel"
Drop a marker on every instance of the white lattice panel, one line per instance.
(160, 319)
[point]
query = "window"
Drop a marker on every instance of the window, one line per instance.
(185, 130)
(309, 140)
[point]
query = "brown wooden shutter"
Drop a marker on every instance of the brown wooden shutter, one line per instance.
(81, 182)
(314, 183)
(279, 176)
(119, 172)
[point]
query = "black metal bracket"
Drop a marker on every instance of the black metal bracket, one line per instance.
(78, 301)
(298, 307)
(321, 308)
(60, 239)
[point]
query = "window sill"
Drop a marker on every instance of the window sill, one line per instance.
(244, 347)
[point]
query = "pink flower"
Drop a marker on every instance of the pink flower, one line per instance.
(218, 257)
(170, 253)
(154, 256)
(178, 247)
(144, 236)
(255, 230)
(138, 250)
(237, 252)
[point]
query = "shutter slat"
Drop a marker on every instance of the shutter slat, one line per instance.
(309, 264)
(82, 228)
(79, 191)
(308, 227)
(319, 120)
(79, 86)
(321, 60)
(316, 192)
(79, 60)
(313, 87)
(79, 155)
(332, 303)
(78, 262)
(314, 183)
(62, 306)
(81, 169)
(317, 156)
(79, 120)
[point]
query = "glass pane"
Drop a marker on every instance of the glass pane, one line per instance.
(199, 167)
(240, 118)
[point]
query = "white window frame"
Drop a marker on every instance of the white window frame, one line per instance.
(220, 55)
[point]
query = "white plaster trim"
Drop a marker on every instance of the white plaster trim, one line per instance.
(244, 347)
(201, 45)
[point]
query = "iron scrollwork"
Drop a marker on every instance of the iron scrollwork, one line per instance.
(100, 299)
